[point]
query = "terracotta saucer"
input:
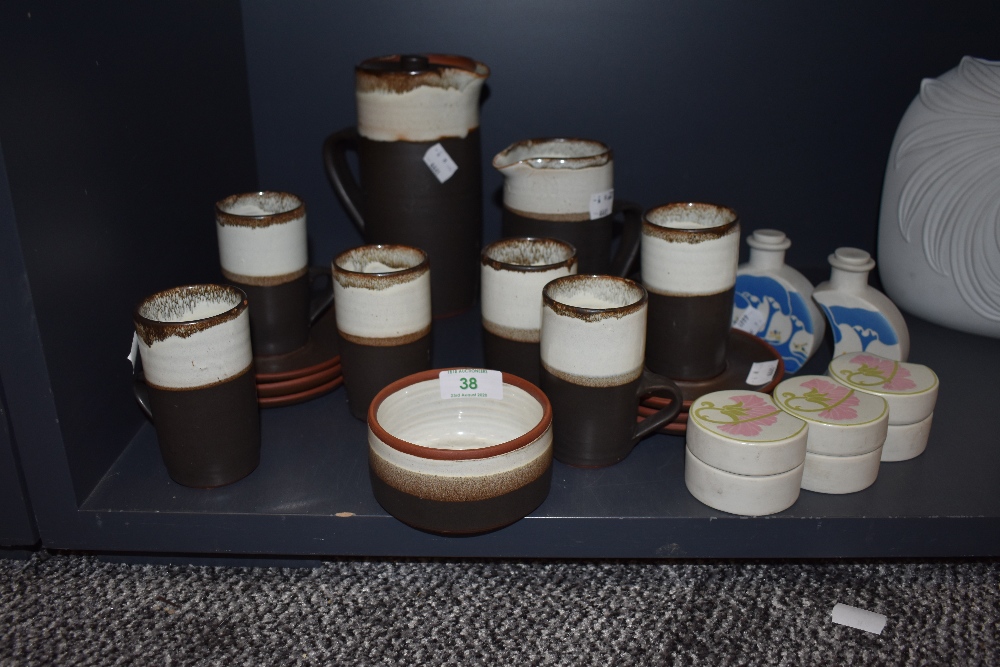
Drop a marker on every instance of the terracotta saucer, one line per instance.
(744, 351)
(318, 354)
(301, 397)
(298, 385)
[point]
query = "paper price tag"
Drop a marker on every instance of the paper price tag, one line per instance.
(471, 383)
(762, 372)
(601, 204)
(750, 320)
(134, 354)
(440, 163)
(859, 619)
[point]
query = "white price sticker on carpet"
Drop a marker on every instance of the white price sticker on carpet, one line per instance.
(762, 372)
(440, 163)
(471, 383)
(750, 320)
(859, 619)
(601, 204)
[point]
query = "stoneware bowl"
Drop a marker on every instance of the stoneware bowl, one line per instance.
(459, 465)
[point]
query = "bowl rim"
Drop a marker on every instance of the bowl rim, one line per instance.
(435, 453)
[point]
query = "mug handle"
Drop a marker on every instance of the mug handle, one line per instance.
(339, 172)
(141, 391)
(628, 247)
(649, 383)
(319, 307)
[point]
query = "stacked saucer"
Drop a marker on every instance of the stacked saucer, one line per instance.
(307, 373)
(746, 357)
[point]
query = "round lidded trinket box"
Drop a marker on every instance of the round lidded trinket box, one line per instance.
(910, 390)
(845, 427)
(744, 454)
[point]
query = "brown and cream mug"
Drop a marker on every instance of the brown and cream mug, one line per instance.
(197, 382)
(382, 302)
(263, 251)
(593, 340)
(690, 252)
(514, 271)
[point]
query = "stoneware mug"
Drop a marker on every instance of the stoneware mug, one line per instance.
(690, 254)
(263, 251)
(592, 344)
(564, 189)
(452, 463)
(514, 271)
(197, 382)
(382, 302)
(418, 147)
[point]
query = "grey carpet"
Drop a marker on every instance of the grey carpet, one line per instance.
(58, 609)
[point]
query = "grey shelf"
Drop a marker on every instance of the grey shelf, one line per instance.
(311, 493)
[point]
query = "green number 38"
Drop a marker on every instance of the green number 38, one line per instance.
(467, 383)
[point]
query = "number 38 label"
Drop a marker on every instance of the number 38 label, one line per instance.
(471, 383)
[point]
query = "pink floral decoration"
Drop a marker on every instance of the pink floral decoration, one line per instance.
(900, 381)
(840, 406)
(755, 413)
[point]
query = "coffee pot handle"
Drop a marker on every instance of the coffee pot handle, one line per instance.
(649, 383)
(339, 172)
(320, 304)
(628, 247)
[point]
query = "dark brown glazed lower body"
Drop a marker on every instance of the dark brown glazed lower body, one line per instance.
(279, 316)
(591, 238)
(208, 437)
(369, 368)
(474, 516)
(404, 203)
(591, 426)
(687, 336)
(511, 356)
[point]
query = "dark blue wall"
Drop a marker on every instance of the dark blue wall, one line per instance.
(783, 110)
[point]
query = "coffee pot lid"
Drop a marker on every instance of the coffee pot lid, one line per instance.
(417, 63)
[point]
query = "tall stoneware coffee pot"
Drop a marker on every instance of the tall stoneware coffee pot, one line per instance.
(418, 147)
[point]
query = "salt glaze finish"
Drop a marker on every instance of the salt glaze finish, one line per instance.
(387, 305)
(840, 474)
(910, 389)
(861, 318)
(937, 243)
(605, 318)
(554, 179)
(745, 495)
(514, 271)
(262, 238)
(842, 421)
(440, 101)
(745, 433)
(477, 463)
(790, 320)
(193, 337)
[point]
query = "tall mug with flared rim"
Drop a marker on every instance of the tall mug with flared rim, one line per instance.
(263, 251)
(593, 340)
(690, 252)
(514, 271)
(564, 189)
(419, 168)
(382, 302)
(197, 382)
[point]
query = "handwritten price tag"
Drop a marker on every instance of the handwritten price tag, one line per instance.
(601, 204)
(471, 383)
(440, 163)
(750, 320)
(762, 372)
